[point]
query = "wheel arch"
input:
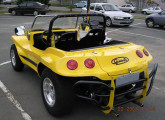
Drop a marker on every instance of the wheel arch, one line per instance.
(40, 68)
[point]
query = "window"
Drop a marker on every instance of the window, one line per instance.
(157, 9)
(128, 5)
(92, 7)
(98, 7)
(23, 4)
(123, 5)
(29, 4)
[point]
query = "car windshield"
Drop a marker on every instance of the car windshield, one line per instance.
(108, 7)
(41, 23)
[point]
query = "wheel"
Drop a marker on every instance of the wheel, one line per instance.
(43, 13)
(13, 12)
(15, 60)
(145, 13)
(57, 93)
(161, 26)
(108, 22)
(150, 23)
(130, 11)
(35, 13)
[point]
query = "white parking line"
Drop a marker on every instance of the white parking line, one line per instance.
(141, 35)
(7, 62)
(150, 28)
(14, 101)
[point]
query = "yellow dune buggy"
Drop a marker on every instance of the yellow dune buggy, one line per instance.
(74, 58)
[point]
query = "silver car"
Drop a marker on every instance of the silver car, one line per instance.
(114, 16)
(128, 8)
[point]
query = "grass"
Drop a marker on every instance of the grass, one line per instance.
(2, 12)
(64, 11)
(1, 8)
(139, 17)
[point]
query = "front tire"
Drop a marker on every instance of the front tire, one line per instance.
(15, 60)
(145, 13)
(150, 23)
(108, 22)
(57, 93)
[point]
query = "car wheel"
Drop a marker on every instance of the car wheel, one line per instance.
(108, 22)
(161, 26)
(57, 93)
(130, 11)
(35, 13)
(145, 13)
(15, 60)
(13, 12)
(150, 23)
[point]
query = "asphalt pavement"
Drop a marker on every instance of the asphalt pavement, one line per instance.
(25, 86)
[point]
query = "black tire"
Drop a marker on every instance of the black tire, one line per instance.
(145, 13)
(161, 26)
(130, 11)
(13, 12)
(150, 23)
(15, 60)
(63, 94)
(108, 22)
(35, 13)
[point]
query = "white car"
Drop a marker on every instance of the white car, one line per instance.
(128, 8)
(151, 10)
(114, 16)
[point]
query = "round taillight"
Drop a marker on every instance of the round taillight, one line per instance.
(139, 53)
(145, 52)
(72, 64)
(89, 63)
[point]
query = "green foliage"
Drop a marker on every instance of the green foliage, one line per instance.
(71, 7)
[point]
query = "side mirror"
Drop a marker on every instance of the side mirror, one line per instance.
(102, 11)
(20, 30)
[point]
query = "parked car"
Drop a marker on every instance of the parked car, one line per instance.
(81, 4)
(29, 7)
(98, 69)
(128, 8)
(114, 16)
(6, 1)
(156, 19)
(151, 10)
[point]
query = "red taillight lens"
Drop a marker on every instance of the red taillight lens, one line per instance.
(41, 7)
(139, 53)
(72, 64)
(145, 52)
(89, 63)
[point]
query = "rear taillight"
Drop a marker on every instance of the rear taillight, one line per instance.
(139, 53)
(145, 52)
(72, 64)
(89, 63)
(41, 7)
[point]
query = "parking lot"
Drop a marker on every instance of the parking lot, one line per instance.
(20, 96)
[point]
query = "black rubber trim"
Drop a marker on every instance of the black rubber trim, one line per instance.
(129, 100)
(29, 60)
(130, 91)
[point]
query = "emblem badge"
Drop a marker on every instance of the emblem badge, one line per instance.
(120, 60)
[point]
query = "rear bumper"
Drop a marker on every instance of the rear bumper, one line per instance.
(113, 95)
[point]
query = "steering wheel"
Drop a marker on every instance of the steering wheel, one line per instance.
(44, 36)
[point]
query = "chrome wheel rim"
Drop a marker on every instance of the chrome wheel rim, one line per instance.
(13, 12)
(49, 92)
(35, 13)
(13, 60)
(150, 23)
(108, 22)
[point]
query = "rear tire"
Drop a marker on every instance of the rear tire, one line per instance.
(15, 60)
(13, 12)
(130, 11)
(150, 23)
(108, 22)
(35, 13)
(57, 93)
